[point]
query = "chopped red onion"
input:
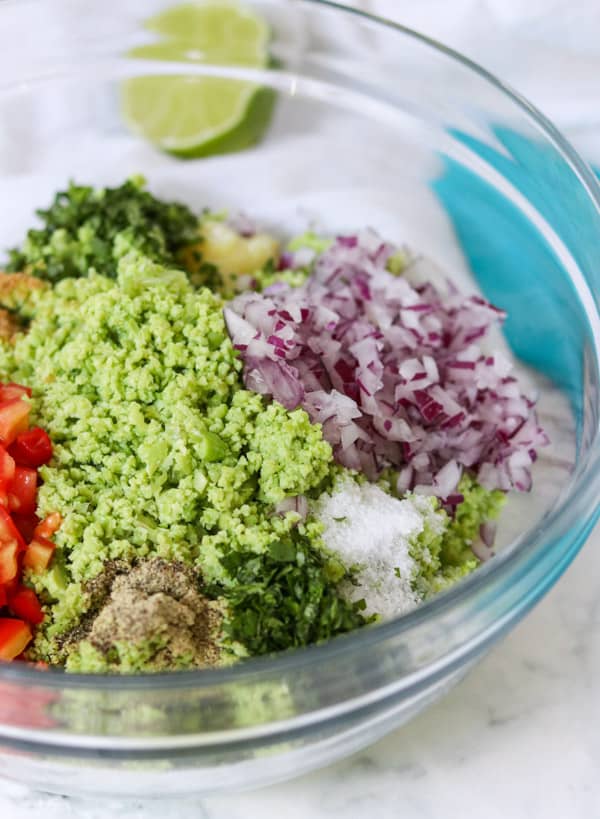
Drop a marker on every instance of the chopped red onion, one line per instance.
(481, 550)
(487, 532)
(297, 504)
(392, 371)
(241, 223)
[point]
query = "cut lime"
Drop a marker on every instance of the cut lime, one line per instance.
(197, 116)
(238, 30)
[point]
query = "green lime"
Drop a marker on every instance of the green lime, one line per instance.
(197, 116)
(209, 25)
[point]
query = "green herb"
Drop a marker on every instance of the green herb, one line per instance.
(269, 276)
(205, 274)
(443, 556)
(396, 264)
(87, 228)
(479, 505)
(311, 241)
(285, 599)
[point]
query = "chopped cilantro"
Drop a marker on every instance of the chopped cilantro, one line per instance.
(286, 598)
(87, 228)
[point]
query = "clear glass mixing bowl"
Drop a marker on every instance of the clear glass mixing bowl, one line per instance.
(374, 125)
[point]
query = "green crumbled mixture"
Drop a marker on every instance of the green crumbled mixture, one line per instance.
(311, 241)
(88, 229)
(397, 262)
(305, 453)
(479, 505)
(124, 657)
(426, 550)
(443, 557)
(269, 275)
(160, 451)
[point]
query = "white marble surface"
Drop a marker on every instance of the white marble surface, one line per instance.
(519, 737)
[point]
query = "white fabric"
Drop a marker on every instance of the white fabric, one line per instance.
(549, 50)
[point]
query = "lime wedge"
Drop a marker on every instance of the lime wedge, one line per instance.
(198, 116)
(207, 25)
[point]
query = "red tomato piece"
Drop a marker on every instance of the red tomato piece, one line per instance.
(14, 638)
(31, 448)
(49, 525)
(14, 417)
(26, 524)
(7, 469)
(8, 531)
(3, 596)
(8, 392)
(9, 565)
(39, 554)
(11, 586)
(23, 490)
(25, 604)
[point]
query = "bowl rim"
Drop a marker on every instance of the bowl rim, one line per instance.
(587, 475)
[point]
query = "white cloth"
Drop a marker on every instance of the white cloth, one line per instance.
(549, 50)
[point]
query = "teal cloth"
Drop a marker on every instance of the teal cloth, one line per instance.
(513, 264)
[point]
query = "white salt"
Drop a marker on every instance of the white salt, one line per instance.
(373, 532)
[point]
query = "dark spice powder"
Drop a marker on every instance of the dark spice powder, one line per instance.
(155, 601)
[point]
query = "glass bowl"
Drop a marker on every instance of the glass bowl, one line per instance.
(374, 124)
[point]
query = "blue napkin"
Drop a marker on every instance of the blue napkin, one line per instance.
(513, 264)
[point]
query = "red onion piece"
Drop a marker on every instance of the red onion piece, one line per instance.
(393, 371)
(481, 551)
(297, 504)
(242, 224)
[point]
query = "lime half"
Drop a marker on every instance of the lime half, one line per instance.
(198, 116)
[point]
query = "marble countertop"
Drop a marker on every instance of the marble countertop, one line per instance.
(518, 738)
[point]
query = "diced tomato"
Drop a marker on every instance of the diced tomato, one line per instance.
(8, 531)
(13, 420)
(26, 524)
(7, 470)
(22, 451)
(24, 603)
(23, 490)
(14, 638)
(49, 525)
(31, 704)
(8, 392)
(9, 564)
(11, 586)
(39, 554)
(31, 448)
